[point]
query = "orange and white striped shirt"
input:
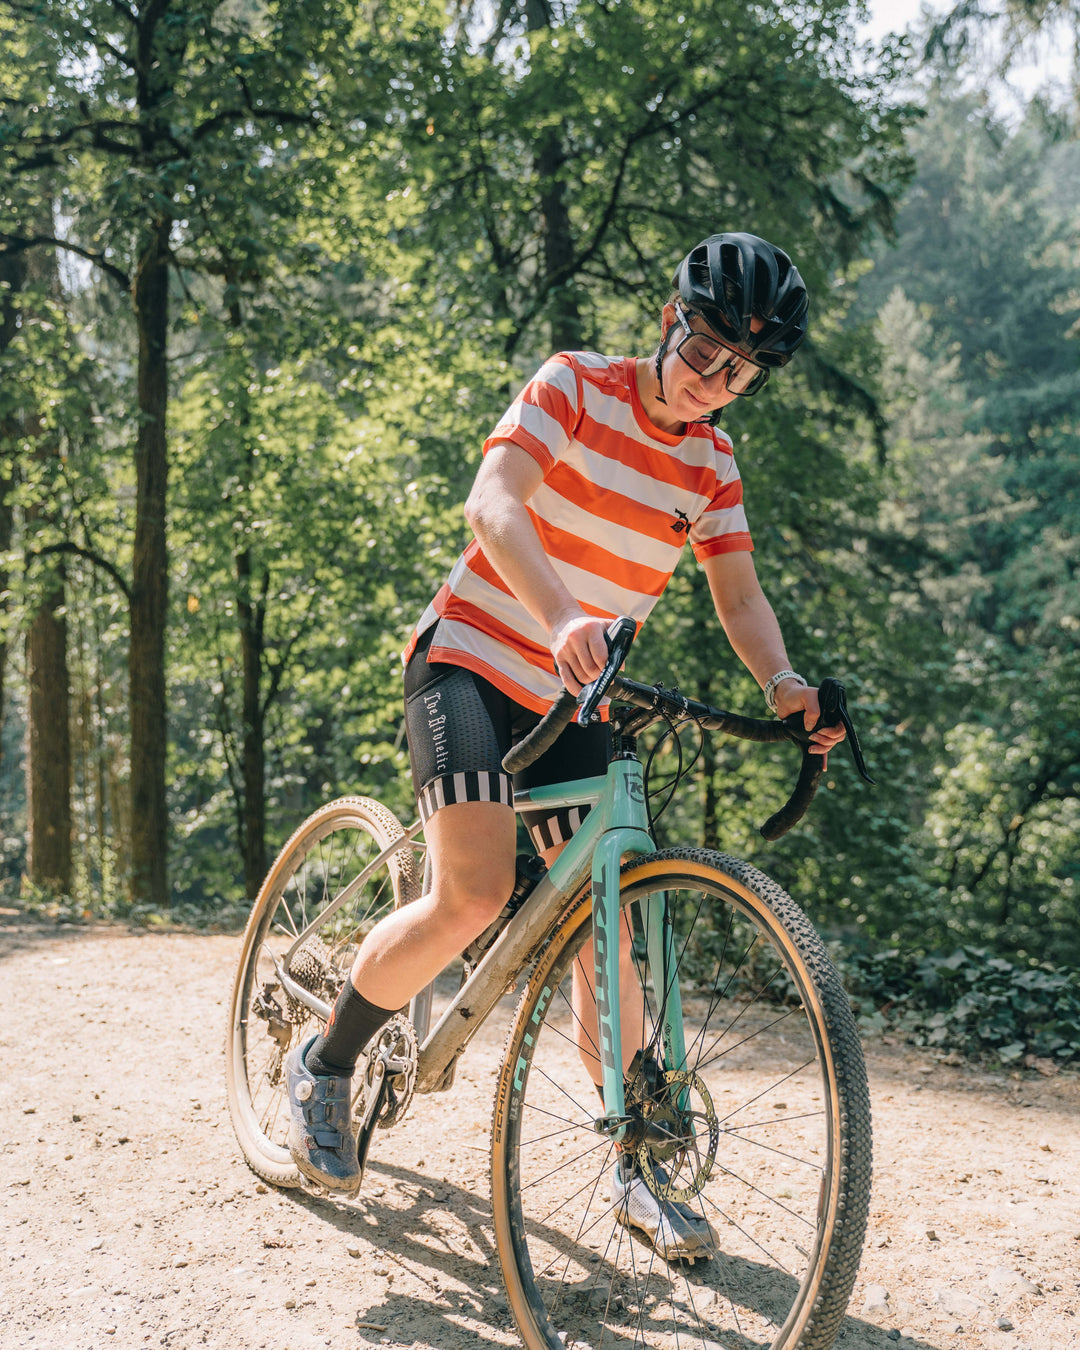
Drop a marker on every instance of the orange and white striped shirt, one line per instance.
(619, 499)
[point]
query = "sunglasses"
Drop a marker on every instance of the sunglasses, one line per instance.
(707, 356)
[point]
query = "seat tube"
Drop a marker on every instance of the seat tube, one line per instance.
(420, 1005)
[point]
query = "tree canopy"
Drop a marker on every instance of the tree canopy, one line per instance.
(270, 272)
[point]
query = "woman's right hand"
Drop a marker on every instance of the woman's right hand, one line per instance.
(579, 646)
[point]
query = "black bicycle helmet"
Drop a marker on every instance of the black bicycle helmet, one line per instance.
(730, 278)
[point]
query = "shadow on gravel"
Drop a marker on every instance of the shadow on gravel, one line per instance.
(22, 929)
(410, 1244)
(858, 1335)
(418, 1243)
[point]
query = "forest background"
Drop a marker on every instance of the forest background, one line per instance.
(269, 272)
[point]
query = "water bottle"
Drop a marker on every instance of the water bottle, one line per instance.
(530, 869)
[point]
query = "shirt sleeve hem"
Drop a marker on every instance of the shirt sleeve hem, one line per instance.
(728, 543)
(524, 440)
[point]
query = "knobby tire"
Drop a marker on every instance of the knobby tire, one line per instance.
(772, 1040)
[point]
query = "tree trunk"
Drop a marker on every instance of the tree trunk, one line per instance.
(12, 277)
(565, 320)
(49, 766)
(149, 589)
(566, 326)
(251, 611)
(7, 482)
(49, 772)
(253, 748)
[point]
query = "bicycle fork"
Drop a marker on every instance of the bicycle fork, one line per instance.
(615, 844)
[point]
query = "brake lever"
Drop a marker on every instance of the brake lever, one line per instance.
(620, 635)
(832, 699)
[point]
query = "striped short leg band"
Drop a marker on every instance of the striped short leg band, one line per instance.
(548, 831)
(471, 786)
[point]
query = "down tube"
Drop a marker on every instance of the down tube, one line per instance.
(606, 938)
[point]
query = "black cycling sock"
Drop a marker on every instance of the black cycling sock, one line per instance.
(353, 1022)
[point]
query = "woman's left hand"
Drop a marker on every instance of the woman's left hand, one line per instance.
(790, 698)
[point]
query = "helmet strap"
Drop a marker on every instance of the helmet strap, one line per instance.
(661, 352)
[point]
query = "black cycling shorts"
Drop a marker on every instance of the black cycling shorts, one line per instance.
(460, 726)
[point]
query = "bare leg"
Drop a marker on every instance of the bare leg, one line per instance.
(633, 1020)
(472, 852)
(471, 847)
(632, 1014)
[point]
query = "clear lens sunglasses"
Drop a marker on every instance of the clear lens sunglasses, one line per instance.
(707, 356)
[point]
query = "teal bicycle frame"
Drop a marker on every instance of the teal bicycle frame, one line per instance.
(615, 828)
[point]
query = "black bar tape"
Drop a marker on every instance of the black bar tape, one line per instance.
(543, 736)
(798, 803)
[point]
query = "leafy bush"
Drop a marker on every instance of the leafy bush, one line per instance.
(209, 916)
(969, 1001)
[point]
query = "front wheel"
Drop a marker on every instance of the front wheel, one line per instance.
(761, 1133)
(316, 890)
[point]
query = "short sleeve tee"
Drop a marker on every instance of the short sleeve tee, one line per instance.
(619, 500)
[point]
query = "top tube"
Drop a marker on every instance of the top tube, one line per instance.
(580, 792)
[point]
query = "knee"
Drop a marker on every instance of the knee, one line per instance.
(474, 901)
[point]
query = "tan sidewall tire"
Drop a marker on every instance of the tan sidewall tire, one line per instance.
(814, 1319)
(271, 1162)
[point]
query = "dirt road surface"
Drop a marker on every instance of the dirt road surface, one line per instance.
(129, 1218)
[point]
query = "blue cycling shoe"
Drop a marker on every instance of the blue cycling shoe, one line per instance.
(321, 1138)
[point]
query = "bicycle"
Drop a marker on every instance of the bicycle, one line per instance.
(743, 1093)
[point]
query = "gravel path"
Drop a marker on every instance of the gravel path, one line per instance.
(130, 1219)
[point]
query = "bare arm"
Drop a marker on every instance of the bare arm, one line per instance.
(495, 510)
(754, 633)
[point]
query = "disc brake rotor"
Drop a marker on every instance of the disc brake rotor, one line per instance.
(675, 1130)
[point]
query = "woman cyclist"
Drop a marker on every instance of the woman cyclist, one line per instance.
(599, 472)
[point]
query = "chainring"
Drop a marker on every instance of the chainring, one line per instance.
(395, 1042)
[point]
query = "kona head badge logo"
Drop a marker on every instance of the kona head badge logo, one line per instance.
(682, 525)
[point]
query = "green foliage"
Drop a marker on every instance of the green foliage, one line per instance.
(977, 311)
(564, 163)
(971, 1001)
(379, 220)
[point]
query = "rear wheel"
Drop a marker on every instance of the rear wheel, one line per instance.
(762, 1132)
(302, 895)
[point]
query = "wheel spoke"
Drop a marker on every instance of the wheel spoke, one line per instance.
(739, 1132)
(328, 849)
